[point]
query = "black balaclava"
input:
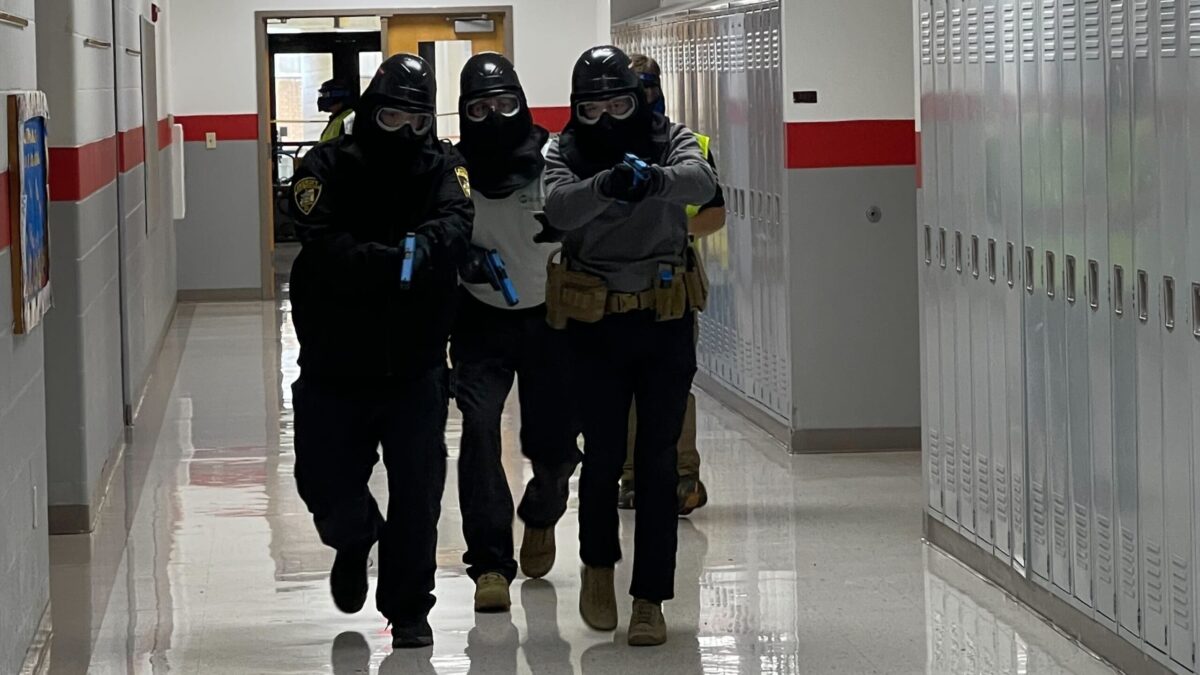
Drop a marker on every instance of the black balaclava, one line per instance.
(602, 73)
(503, 154)
(407, 82)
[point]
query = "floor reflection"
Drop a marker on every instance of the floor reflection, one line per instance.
(205, 560)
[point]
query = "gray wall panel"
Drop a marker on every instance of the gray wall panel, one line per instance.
(219, 241)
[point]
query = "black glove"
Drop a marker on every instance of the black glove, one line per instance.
(619, 183)
(548, 235)
(474, 268)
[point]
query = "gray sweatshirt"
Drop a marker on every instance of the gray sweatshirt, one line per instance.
(625, 243)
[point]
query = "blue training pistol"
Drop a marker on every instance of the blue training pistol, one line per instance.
(641, 170)
(409, 251)
(499, 279)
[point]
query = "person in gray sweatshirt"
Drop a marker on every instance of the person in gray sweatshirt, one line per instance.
(618, 183)
(497, 339)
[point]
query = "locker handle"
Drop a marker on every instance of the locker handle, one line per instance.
(1196, 310)
(1069, 284)
(1029, 270)
(1010, 269)
(1118, 291)
(991, 260)
(928, 245)
(975, 256)
(1143, 296)
(1051, 277)
(1093, 284)
(958, 252)
(1168, 303)
(942, 247)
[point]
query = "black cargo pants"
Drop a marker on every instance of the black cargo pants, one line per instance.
(489, 348)
(621, 359)
(339, 427)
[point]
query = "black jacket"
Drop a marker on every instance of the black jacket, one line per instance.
(353, 320)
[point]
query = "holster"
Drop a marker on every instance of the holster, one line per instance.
(696, 278)
(572, 295)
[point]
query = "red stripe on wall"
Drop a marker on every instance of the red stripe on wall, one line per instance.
(227, 127)
(77, 173)
(823, 145)
(164, 133)
(132, 148)
(5, 217)
(552, 119)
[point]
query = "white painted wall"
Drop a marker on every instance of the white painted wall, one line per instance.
(213, 59)
(857, 54)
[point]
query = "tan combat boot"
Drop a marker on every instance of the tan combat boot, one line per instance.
(597, 599)
(491, 593)
(537, 551)
(647, 627)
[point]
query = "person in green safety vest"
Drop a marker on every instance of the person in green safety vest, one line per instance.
(703, 220)
(336, 97)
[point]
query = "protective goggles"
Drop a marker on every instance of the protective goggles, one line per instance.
(618, 107)
(395, 119)
(507, 105)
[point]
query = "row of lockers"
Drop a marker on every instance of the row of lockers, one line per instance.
(1060, 272)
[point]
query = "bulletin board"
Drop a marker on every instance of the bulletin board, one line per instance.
(29, 187)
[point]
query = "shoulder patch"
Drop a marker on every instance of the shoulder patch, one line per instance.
(307, 192)
(464, 180)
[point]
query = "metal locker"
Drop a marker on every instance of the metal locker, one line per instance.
(928, 265)
(1074, 303)
(1124, 363)
(1188, 292)
(1035, 311)
(975, 236)
(1050, 259)
(1013, 208)
(962, 136)
(1095, 273)
(946, 219)
(1146, 259)
(1172, 73)
(995, 151)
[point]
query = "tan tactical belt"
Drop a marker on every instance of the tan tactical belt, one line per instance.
(623, 303)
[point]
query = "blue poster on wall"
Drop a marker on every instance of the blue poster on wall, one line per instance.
(29, 172)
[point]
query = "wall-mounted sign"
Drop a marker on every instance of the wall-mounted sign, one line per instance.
(28, 173)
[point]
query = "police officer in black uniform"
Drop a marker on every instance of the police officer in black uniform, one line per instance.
(494, 343)
(373, 344)
(618, 183)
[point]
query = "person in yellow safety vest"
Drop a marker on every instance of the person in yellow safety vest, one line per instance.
(336, 97)
(703, 220)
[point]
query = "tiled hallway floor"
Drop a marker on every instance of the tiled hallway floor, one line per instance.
(206, 561)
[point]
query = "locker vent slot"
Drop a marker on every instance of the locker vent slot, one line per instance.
(989, 34)
(1118, 290)
(1010, 271)
(972, 35)
(956, 35)
(1051, 276)
(1029, 269)
(1194, 28)
(991, 260)
(1143, 296)
(1141, 29)
(975, 256)
(1028, 32)
(1093, 31)
(958, 252)
(1169, 303)
(1010, 33)
(1181, 593)
(928, 245)
(1196, 310)
(1116, 28)
(1069, 285)
(1070, 31)
(1093, 284)
(1104, 549)
(926, 40)
(1049, 30)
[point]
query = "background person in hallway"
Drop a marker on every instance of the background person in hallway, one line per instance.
(373, 354)
(622, 294)
(336, 97)
(702, 221)
(493, 343)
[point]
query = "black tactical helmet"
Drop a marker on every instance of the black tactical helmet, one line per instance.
(488, 73)
(405, 81)
(602, 72)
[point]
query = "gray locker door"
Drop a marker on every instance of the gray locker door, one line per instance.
(1035, 298)
(963, 138)
(1124, 344)
(1099, 325)
(1189, 292)
(946, 220)
(974, 274)
(995, 142)
(1051, 298)
(1177, 339)
(1074, 301)
(1012, 194)
(1146, 257)
(930, 309)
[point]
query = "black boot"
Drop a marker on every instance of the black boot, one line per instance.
(412, 635)
(348, 580)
